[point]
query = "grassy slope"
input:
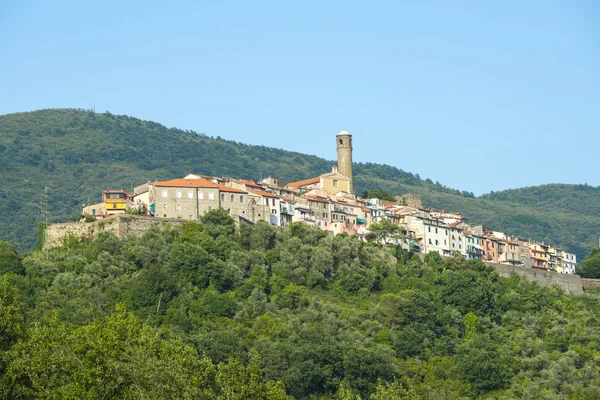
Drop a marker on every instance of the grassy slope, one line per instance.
(77, 154)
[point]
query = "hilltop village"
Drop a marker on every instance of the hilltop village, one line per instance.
(328, 202)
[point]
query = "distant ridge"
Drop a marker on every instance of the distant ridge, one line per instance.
(78, 153)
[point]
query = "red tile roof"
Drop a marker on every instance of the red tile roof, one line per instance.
(196, 183)
(246, 182)
(305, 182)
(319, 199)
(224, 188)
(263, 193)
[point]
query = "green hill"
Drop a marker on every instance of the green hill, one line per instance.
(72, 155)
(205, 311)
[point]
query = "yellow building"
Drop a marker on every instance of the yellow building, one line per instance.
(115, 202)
(539, 255)
(334, 182)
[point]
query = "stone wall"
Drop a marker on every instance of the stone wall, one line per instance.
(570, 283)
(410, 200)
(120, 225)
(590, 284)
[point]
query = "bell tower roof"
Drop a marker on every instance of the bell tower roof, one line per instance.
(343, 133)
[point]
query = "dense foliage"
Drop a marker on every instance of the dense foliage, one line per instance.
(590, 267)
(219, 311)
(53, 161)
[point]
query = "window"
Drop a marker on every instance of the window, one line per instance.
(325, 206)
(437, 243)
(436, 230)
(178, 207)
(273, 211)
(444, 241)
(446, 232)
(241, 199)
(190, 194)
(273, 202)
(223, 197)
(178, 194)
(428, 229)
(335, 183)
(164, 193)
(453, 238)
(460, 246)
(201, 195)
(429, 241)
(211, 196)
(232, 198)
(165, 206)
(453, 246)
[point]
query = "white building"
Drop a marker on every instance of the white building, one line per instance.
(434, 233)
(569, 262)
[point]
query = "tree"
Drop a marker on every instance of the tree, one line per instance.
(218, 222)
(10, 261)
(386, 231)
(590, 267)
(12, 326)
(378, 194)
(239, 382)
(114, 358)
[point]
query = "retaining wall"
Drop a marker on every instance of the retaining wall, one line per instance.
(570, 283)
(589, 283)
(120, 225)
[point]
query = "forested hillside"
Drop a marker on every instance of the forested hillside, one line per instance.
(205, 311)
(56, 160)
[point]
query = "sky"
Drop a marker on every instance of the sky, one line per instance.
(477, 95)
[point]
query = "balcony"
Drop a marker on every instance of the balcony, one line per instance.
(286, 211)
(308, 217)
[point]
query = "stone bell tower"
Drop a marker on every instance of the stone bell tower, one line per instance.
(343, 142)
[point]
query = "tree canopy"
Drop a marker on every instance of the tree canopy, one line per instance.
(258, 312)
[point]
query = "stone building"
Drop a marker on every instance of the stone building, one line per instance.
(185, 198)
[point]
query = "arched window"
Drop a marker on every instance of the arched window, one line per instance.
(223, 197)
(341, 141)
(231, 198)
(241, 199)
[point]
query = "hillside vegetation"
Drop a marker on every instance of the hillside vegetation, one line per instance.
(205, 311)
(53, 161)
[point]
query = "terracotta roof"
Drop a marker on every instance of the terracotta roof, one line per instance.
(224, 188)
(263, 193)
(247, 182)
(319, 199)
(197, 183)
(305, 182)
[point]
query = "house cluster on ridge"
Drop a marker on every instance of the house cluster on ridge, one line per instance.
(328, 202)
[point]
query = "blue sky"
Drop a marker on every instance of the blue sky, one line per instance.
(479, 96)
